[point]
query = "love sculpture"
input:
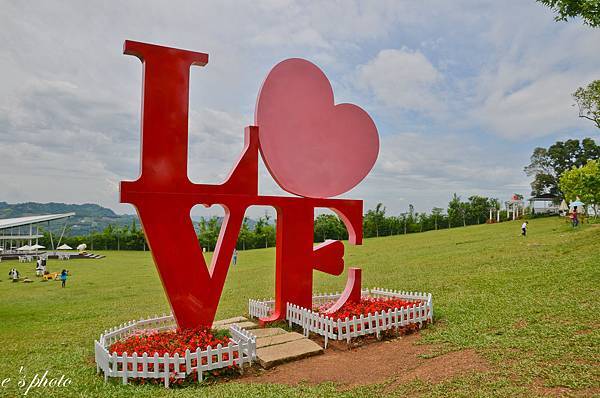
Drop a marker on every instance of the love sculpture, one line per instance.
(311, 147)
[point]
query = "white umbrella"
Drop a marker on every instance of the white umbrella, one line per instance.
(563, 206)
(36, 246)
(64, 247)
(82, 247)
(24, 248)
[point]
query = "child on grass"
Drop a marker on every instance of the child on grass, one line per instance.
(524, 228)
(63, 277)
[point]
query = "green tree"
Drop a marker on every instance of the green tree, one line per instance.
(245, 236)
(548, 164)
(588, 102)
(374, 222)
(328, 226)
(583, 182)
(264, 232)
(478, 208)
(108, 236)
(394, 225)
(209, 232)
(411, 219)
(422, 218)
(588, 10)
(403, 218)
(457, 211)
(436, 212)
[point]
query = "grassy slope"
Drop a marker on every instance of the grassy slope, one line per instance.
(529, 305)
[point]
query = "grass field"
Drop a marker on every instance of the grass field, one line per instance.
(530, 306)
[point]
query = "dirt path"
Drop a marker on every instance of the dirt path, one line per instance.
(400, 359)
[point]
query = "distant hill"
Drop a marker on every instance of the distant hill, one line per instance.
(88, 217)
(32, 209)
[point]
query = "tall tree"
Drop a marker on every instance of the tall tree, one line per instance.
(478, 207)
(422, 217)
(455, 210)
(436, 212)
(264, 231)
(209, 232)
(374, 222)
(403, 220)
(588, 10)
(328, 226)
(548, 164)
(583, 182)
(588, 102)
(245, 236)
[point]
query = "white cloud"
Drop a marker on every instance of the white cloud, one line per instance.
(524, 90)
(402, 79)
(425, 169)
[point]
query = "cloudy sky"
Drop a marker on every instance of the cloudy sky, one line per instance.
(461, 91)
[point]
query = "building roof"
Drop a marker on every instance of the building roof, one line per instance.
(20, 221)
(545, 196)
(20, 237)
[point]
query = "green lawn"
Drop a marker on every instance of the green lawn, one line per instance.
(530, 306)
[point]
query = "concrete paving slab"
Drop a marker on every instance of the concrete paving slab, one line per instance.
(244, 325)
(277, 339)
(265, 332)
(297, 349)
(228, 321)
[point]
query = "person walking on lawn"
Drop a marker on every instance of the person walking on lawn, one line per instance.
(574, 217)
(63, 277)
(524, 228)
(234, 257)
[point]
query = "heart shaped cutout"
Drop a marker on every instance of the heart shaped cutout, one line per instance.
(311, 146)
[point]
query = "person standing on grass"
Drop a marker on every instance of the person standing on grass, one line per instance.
(63, 277)
(574, 218)
(234, 258)
(524, 228)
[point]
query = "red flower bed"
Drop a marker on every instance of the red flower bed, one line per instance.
(365, 306)
(174, 342)
(170, 342)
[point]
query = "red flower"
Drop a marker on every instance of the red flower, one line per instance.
(171, 342)
(366, 306)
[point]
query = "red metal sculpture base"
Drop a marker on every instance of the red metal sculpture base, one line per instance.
(164, 197)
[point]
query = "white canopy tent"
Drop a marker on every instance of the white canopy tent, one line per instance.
(563, 206)
(64, 247)
(37, 247)
(25, 248)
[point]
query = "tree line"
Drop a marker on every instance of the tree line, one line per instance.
(262, 233)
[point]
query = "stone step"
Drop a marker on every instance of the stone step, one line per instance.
(266, 332)
(281, 338)
(292, 350)
(228, 321)
(240, 321)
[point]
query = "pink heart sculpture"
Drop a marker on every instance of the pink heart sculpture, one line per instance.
(311, 146)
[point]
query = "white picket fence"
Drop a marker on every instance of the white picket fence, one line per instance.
(263, 308)
(345, 329)
(260, 308)
(127, 366)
